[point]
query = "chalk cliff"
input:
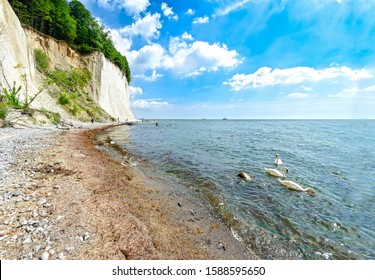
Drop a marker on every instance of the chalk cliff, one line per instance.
(108, 87)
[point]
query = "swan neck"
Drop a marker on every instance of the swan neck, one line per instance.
(283, 171)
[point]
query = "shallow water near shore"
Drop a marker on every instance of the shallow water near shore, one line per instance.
(335, 158)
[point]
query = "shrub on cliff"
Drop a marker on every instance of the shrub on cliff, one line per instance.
(41, 60)
(64, 99)
(11, 96)
(74, 80)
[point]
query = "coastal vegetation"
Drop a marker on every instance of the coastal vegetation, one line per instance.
(41, 60)
(69, 88)
(3, 111)
(72, 22)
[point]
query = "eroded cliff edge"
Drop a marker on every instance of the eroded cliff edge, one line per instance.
(108, 87)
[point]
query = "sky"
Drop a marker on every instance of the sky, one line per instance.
(246, 59)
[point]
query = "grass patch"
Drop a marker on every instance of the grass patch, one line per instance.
(71, 93)
(42, 61)
(3, 111)
(52, 116)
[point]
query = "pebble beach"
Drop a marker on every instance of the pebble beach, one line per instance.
(62, 197)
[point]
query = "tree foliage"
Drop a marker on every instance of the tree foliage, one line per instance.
(72, 22)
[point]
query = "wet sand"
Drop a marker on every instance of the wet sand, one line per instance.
(101, 208)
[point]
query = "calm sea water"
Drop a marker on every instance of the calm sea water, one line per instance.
(336, 158)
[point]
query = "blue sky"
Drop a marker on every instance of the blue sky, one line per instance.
(246, 59)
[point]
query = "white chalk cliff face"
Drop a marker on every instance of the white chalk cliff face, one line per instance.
(108, 87)
(16, 58)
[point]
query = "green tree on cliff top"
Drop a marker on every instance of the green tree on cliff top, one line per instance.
(72, 22)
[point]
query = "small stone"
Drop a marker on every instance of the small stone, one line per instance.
(17, 193)
(79, 155)
(42, 201)
(28, 256)
(221, 246)
(43, 213)
(35, 213)
(35, 223)
(30, 229)
(27, 240)
(61, 256)
(37, 248)
(59, 218)
(85, 236)
(44, 256)
(52, 252)
(27, 197)
(3, 237)
(23, 222)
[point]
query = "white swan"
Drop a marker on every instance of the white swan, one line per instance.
(277, 173)
(278, 160)
(295, 187)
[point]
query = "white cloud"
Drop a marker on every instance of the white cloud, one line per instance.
(146, 27)
(167, 11)
(298, 95)
(266, 76)
(153, 77)
(135, 90)
(201, 20)
(191, 59)
(122, 44)
(148, 57)
(149, 104)
(187, 36)
(186, 58)
(306, 88)
(346, 93)
(230, 8)
(132, 7)
(353, 92)
(190, 12)
(370, 89)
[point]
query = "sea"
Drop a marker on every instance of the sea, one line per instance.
(334, 157)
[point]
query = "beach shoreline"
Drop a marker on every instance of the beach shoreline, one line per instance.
(85, 204)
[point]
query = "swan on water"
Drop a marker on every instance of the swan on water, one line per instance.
(244, 176)
(277, 173)
(295, 187)
(278, 160)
